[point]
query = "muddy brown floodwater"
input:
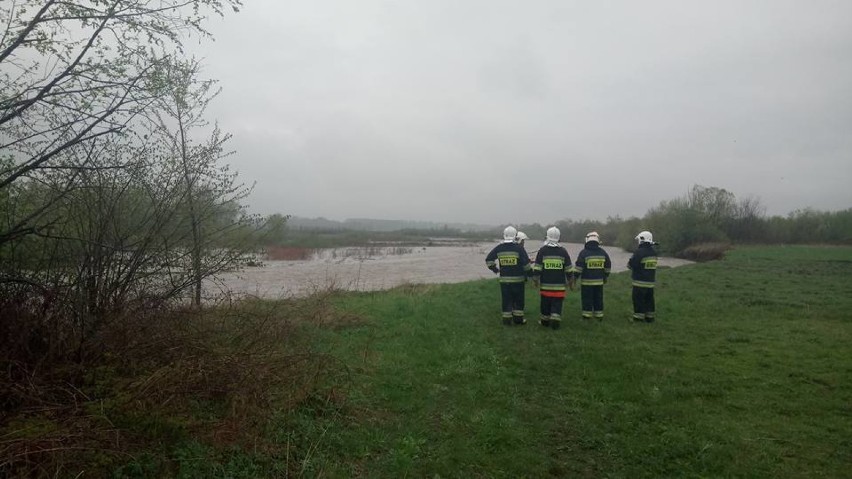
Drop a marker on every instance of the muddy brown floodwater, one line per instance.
(361, 269)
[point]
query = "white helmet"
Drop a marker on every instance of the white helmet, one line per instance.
(644, 237)
(521, 236)
(593, 236)
(509, 233)
(553, 234)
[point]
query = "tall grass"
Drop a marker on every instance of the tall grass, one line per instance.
(157, 394)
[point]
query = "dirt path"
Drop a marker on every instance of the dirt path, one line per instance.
(435, 264)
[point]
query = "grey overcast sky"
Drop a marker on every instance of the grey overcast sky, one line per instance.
(494, 111)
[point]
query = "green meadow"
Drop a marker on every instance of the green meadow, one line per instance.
(746, 373)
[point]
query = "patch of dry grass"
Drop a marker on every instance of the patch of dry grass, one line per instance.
(147, 382)
(705, 252)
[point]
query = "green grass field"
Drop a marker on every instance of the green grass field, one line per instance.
(746, 373)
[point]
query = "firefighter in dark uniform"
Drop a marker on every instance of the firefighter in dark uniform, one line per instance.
(592, 269)
(511, 262)
(551, 272)
(643, 267)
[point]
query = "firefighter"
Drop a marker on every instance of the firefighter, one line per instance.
(592, 269)
(511, 262)
(551, 272)
(643, 267)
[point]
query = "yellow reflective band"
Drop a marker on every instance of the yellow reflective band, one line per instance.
(643, 284)
(595, 263)
(557, 263)
(650, 262)
(504, 261)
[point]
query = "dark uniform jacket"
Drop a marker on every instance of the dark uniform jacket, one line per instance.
(593, 265)
(513, 261)
(643, 266)
(553, 265)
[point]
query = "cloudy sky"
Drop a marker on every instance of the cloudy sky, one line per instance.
(494, 111)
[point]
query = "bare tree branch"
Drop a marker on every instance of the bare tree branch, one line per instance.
(37, 18)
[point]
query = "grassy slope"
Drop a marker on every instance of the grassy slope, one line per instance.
(748, 372)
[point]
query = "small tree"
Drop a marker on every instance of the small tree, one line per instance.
(274, 230)
(714, 204)
(91, 200)
(72, 72)
(209, 190)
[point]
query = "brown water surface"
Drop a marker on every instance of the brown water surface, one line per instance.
(369, 269)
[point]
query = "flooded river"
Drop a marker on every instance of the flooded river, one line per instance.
(378, 268)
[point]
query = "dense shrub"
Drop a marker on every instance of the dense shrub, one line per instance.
(609, 230)
(685, 226)
(151, 383)
(677, 226)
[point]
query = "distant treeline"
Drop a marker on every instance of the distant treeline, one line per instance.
(337, 237)
(699, 225)
(380, 225)
(705, 216)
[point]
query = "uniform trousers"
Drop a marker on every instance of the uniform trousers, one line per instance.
(643, 303)
(512, 299)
